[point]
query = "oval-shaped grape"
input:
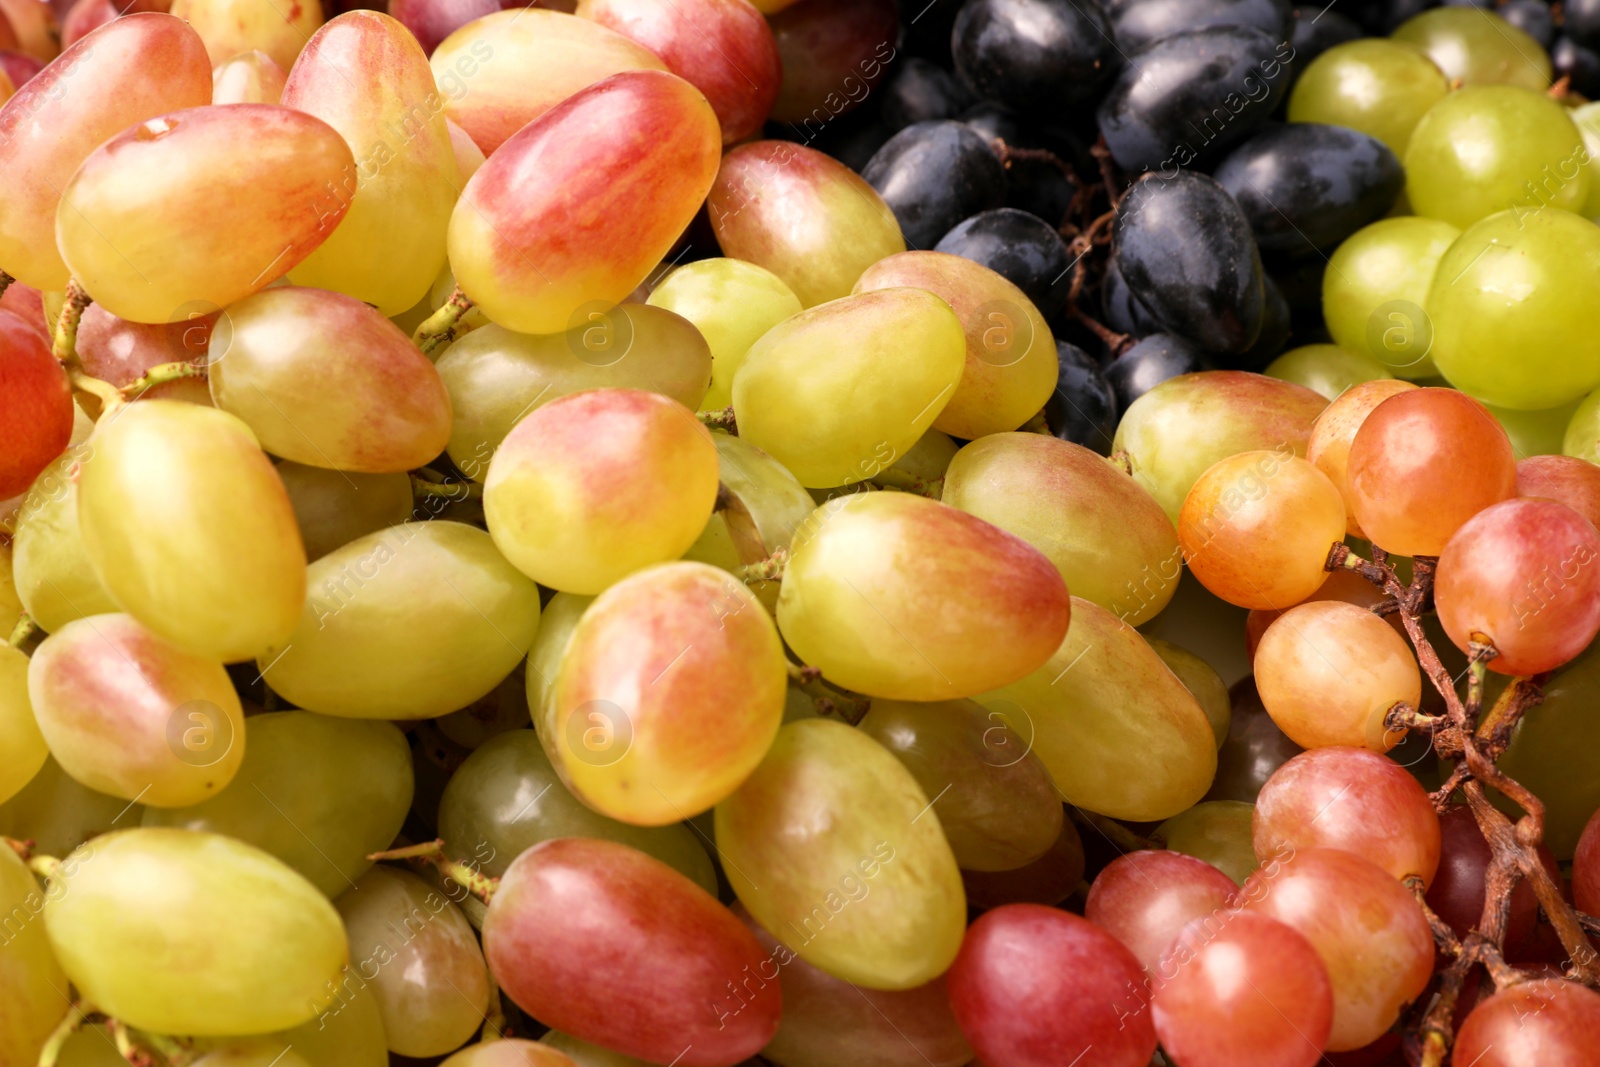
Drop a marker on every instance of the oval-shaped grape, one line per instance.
(1546, 1021)
(1380, 87)
(36, 409)
(58, 813)
(1202, 681)
(334, 508)
(229, 27)
(1374, 289)
(33, 988)
(732, 303)
(1326, 369)
(54, 579)
(833, 53)
(121, 352)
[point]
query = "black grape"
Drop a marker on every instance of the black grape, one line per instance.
(1124, 311)
(1277, 322)
(1532, 17)
(1024, 249)
(1083, 409)
(1035, 186)
(1253, 749)
(1150, 362)
(1317, 29)
(934, 174)
(920, 91)
(1581, 21)
(1139, 22)
(1577, 62)
(1033, 55)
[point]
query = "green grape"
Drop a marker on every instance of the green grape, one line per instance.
(1373, 290)
(833, 845)
(1110, 540)
(1535, 433)
(54, 579)
(58, 813)
(1326, 369)
(516, 1053)
(333, 508)
(504, 709)
(347, 1033)
(1535, 352)
(261, 1052)
(995, 800)
(766, 506)
(10, 602)
(1217, 831)
(1549, 753)
(732, 303)
(1382, 88)
(1582, 435)
(190, 530)
(842, 390)
(317, 793)
(929, 458)
(411, 622)
(180, 932)
(560, 618)
(421, 958)
(497, 377)
(33, 991)
(586, 1055)
(1203, 683)
(506, 798)
(1587, 119)
(1495, 148)
(91, 1046)
(22, 747)
(1478, 48)
(1117, 729)
(1202, 622)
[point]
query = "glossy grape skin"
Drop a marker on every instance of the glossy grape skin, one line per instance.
(1035, 986)
(935, 174)
(832, 52)
(1177, 430)
(802, 215)
(1145, 898)
(54, 579)
(120, 352)
(1020, 247)
(247, 78)
(1547, 1021)
(1050, 879)
(1252, 992)
(33, 991)
(1139, 22)
(1567, 479)
(1582, 437)
(732, 303)
(1478, 47)
(1380, 87)
(1083, 408)
(1374, 288)
(559, 618)
(323, 379)
(318, 793)
(1111, 542)
(36, 409)
(229, 27)
(1369, 931)
(1335, 430)
(1254, 748)
(1032, 54)
(431, 984)
(877, 900)
(1549, 256)
(1216, 831)
(245, 944)
(1457, 892)
(145, 65)
(1203, 683)
(920, 90)
(58, 813)
(365, 75)
(189, 529)
(1150, 361)
(257, 174)
(1535, 433)
(1118, 731)
(1585, 870)
(333, 508)
(1547, 753)
(520, 1053)
(1327, 370)
(579, 926)
(1342, 585)
(510, 240)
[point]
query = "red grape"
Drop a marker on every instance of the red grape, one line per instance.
(431, 21)
(35, 405)
(1456, 894)
(27, 303)
(1586, 868)
(834, 52)
(1146, 898)
(1548, 1023)
(1572, 481)
(1335, 430)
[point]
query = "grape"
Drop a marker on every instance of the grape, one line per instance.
(1582, 436)
(503, 710)
(428, 973)
(1203, 683)
(263, 1053)
(496, 377)
(1252, 992)
(1254, 748)
(863, 569)
(1547, 1021)
(1547, 753)
(1328, 673)
(1478, 48)
(241, 187)
(801, 215)
(732, 303)
(1145, 898)
(1421, 464)
(1218, 832)
(333, 508)
(121, 352)
(36, 410)
(934, 174)
(841, 391)
(180, 932)
(1050, 879)
(22, 747)
(365, 75)
(58, 813)
(54, 579)
(1374, 288)
(1327, 370)
(582, 1053)
(431, 21)
(189, 529)
(1084, 407)
(1139, 22)
(318, 793)
(229, 27)
(499, 72)
(578, 927)
(1345, 586)
(517, 1053)
(1118, 731)
(830, 51)
(1150, 361)
(1177, 430)
(32, 986)
(769, 505)
(511, 243)
(594, 486)
(1000, 810)
(1457, 892)
(35, 29)
(1257, 526)
(1023, 249)
(323, 379)
(1547, 258)
(1111, 542)
(142, 66)
(247, 78)
(877, 899)
(1034, 986)
(1535, 433)
(414, 621)
(1382, 88)
(1335, 430)
(469, 157)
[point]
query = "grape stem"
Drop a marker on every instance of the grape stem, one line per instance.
(23, 849)
(722, 419)
(431, 854)
(77, 1016)
(830, 700)
(65, 343)
(766, 570)
(422, 486)
(443, 326)
(5, 282)
(160, 374)
(24, 629)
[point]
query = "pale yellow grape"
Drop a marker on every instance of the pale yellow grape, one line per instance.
(516, 1053)
(229, 27)
(261, 1052)
(33, 991)
(10, 603)
(1374, 288)
(190, 530)
(333, 508)
(587, 1055)
(1587, 119)
(1202, 681)
(1477, 47)
(1380, 87)
(347, 1033)
(414, 621)
(22, 747)
(54, 578)
(58, 813)
(559, 619)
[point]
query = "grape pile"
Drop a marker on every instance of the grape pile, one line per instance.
(799, 533)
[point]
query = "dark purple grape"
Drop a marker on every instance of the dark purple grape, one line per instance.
(1139, 22)
(1581, 21)
(1124, 311)
(926, 29)
(1532, 17)
(1038, 187)
(1381, 18)
(1033, 55)
(1024, 249)
(920, 91)
(1317, 29)
(1577, 62)
(1277, 323)
(934, 174)
(1083, 409)
(1150, 362)
(1253, 749)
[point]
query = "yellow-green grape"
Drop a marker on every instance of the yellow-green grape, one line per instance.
(518, 1053)
(1380, 87)
(429, 978)
(411, 622)
(92, 1046)
(1202, 681)
(504, 709)
(22, 747)
(1110, 540)
(766, 507)
(58, 813)
(732, 303)
(333, 508)
(1582, 435)
(586, 1055)
(33, 991)
(180, 932)
(833, 845)
(497, 377)
(1119, 732)
(229, 27)
(1199, 620)
(318, 793)
(469, 157)
(1587, 119)
(506, 798)
(10, 603)
(365, 75)
(929, 458)
(260, 1052)
(597, 485)
(1478, 48)
(1326, 369)
(1535, 433)
(190, 530)
(54, 579)
(1217, 831)
(129, 714)
(839, 392)
(1539, 350)
(1374, 288)
(346, 1033)
(560, 618)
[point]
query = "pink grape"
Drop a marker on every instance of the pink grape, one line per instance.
(1146, 898)
(1548, 1022)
